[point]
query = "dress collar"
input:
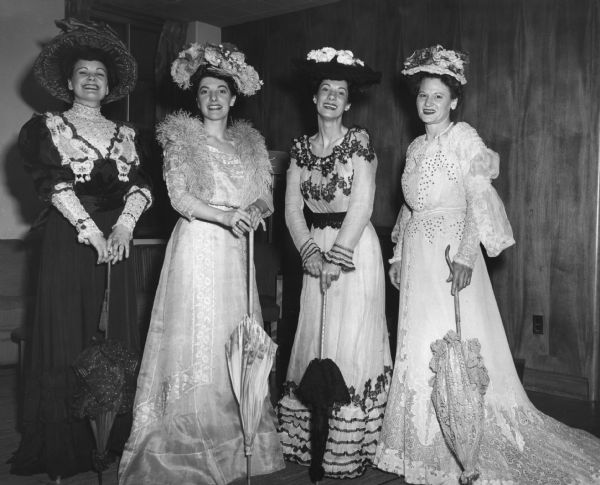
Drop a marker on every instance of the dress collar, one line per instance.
(85, 112)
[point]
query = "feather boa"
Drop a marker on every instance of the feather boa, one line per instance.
(184, 142)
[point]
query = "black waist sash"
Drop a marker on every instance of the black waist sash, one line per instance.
(321, 220)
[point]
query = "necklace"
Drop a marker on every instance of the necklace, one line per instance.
(445, 130)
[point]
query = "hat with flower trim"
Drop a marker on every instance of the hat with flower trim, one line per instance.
(76, 36)
(437, 60)
(338, 65)
(222, 59)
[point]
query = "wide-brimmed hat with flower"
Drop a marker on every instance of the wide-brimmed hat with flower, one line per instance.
(437, 60)
(222, 59)
(339, 65)
(75, 37)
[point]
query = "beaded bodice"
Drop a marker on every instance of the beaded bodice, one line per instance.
(432, 176)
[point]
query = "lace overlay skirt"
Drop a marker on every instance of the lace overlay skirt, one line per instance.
(520, 444)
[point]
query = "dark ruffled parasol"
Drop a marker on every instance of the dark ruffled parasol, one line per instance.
(106, 381)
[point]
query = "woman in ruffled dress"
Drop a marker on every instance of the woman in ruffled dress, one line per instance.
(450, 200)
(88, 168)
(187, 427)
(332, 173)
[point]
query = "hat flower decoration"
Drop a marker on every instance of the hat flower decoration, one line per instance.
(328, 54)
(224, 59)
(330, 63)
(437, 60)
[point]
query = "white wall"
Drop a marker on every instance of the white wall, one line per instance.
(24, 25)
(201, 32)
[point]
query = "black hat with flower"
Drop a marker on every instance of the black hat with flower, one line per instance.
(437, 60)
(338, 65)
(78, 37)
(220, 59)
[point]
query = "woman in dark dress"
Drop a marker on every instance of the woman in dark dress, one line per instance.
(88, 169)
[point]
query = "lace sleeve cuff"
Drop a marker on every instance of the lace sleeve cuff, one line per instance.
(69, 205)
(308, 249)
(340, 255)
(137, 201)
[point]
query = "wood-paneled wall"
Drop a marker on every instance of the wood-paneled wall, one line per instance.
(533, 95)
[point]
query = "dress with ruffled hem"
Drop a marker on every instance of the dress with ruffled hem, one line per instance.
(356, 336)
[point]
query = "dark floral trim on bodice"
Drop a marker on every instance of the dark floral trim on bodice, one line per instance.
(80, 155)
(327, 191)
(341, 153)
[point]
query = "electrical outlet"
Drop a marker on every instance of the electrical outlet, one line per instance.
(538, 324)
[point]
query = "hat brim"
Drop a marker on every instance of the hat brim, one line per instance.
(48, 71)
(359, 76)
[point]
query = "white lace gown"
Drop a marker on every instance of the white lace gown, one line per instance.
(356, 336)
(187, 428)
(450, 200)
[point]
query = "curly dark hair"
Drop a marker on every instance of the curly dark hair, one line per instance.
(207, 72)
(456, 89)
(88, 54)
(354, 91)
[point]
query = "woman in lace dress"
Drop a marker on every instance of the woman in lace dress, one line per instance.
(87, 168)
(450, 200)
(186, 427)
(332, 173)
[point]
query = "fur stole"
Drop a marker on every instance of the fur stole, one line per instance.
(183, 139)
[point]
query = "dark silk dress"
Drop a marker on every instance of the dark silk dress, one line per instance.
(71, 289)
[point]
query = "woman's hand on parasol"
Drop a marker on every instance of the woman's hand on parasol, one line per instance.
(314, 264)
(394, 273)
(238, 220)
(460, 276)
(329, 273)
(98, 242)
(256, 216)
(118, 243)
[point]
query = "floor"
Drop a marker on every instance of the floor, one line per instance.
(575, 413)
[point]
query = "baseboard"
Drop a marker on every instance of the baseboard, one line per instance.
(564, 385)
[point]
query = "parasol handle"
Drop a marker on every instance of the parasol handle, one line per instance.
(323, 314)
(104, 308)
(250, 271)
(108, 278)
(248, 469)
(456, 301)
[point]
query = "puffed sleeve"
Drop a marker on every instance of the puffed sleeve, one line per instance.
(398, 232)
(138, 197)
(486, 219)
(52, 180)
(360, 207)
(294, 217)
